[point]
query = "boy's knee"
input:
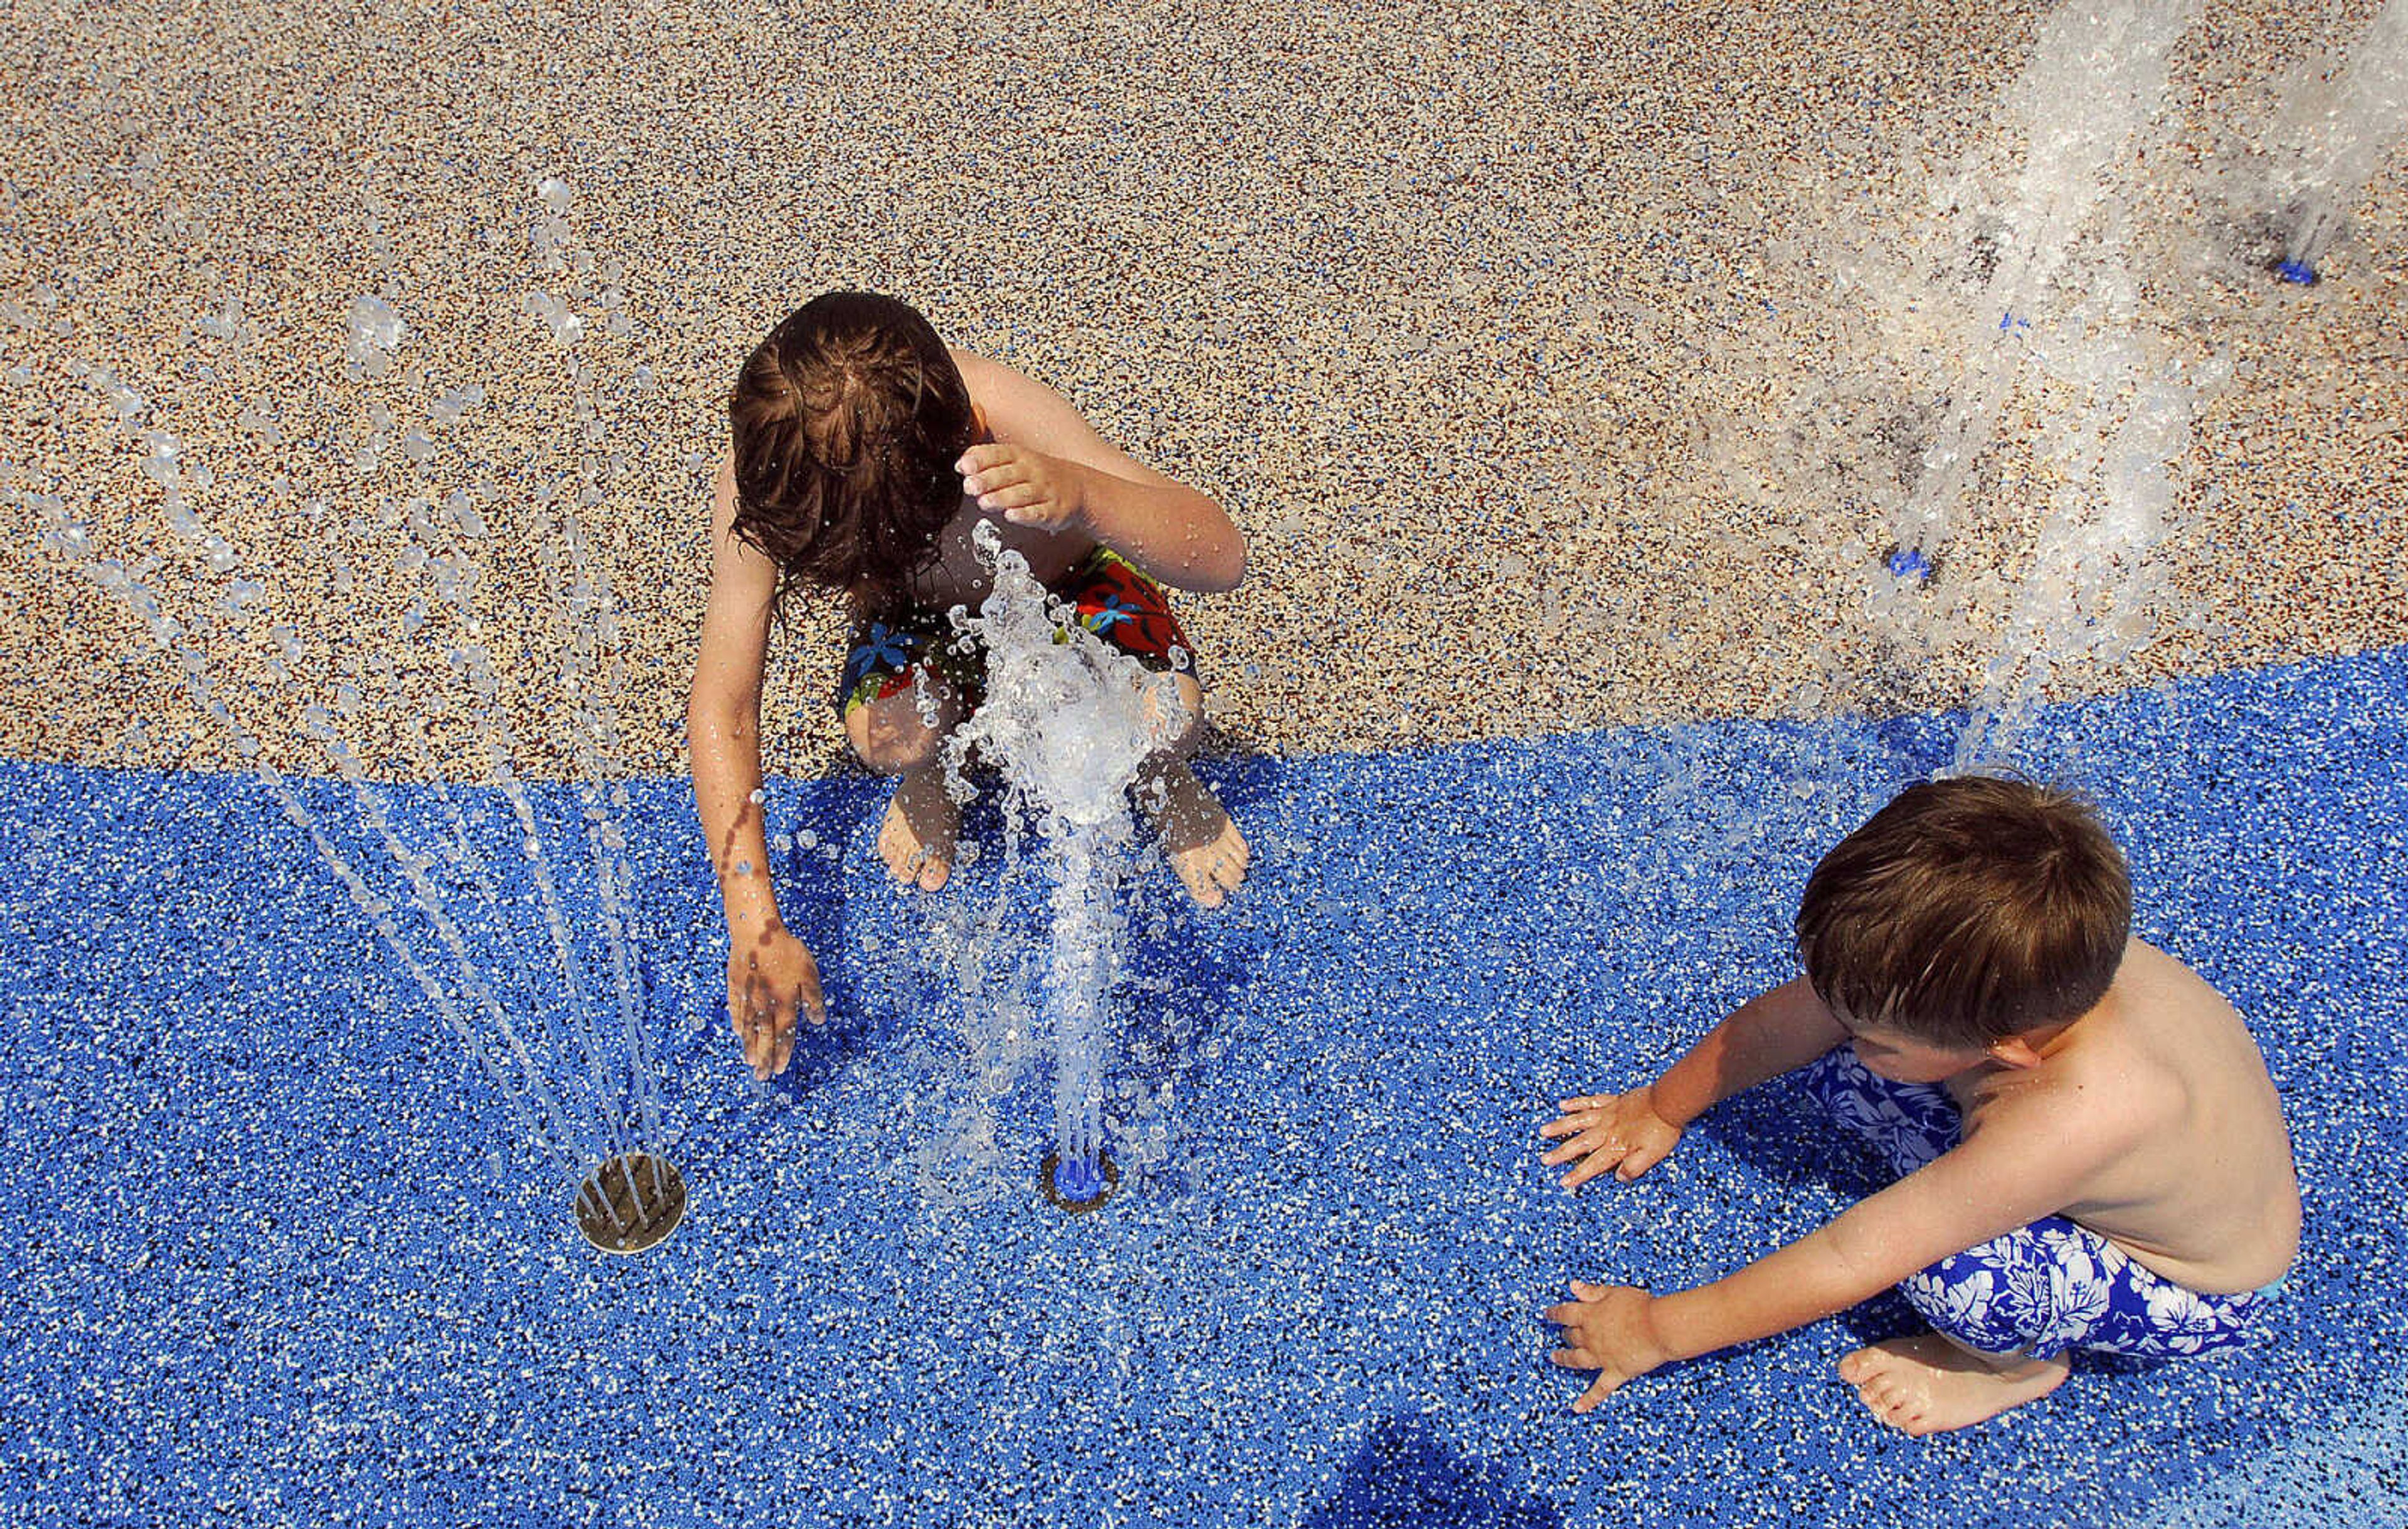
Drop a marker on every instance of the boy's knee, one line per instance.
(891, 737)
(1189, 724)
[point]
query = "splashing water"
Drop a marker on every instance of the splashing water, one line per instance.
(2083, 107)
(376, 331)
(1068, 720)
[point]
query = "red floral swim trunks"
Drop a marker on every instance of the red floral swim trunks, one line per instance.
(1114, 601)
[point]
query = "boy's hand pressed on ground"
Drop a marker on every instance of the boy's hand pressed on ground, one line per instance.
(1621, 1133)
(1029, 487)
(1608, 1329)
(769, 979)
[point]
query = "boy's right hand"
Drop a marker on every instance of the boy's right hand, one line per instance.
(1619, 1132)
(770, 977)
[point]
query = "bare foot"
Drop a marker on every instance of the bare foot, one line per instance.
(916, 840)
(1199, 840)
(1928, 1385)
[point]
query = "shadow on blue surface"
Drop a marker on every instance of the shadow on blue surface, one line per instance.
(1407, 1475)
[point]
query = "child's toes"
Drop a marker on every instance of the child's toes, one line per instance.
(1229, 864)
(933, 871)
(1195, 874)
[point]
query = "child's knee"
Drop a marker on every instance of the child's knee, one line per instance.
(1182, 728)
(893, 738)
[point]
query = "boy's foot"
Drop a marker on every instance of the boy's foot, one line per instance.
(916, 840)
(1198, 837)
(1926, 1385)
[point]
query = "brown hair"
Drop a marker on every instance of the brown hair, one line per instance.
(847, 422)
(1968, 911)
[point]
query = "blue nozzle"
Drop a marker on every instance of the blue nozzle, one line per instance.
(1910, 563)
(2298, 272)
(1076, 1180)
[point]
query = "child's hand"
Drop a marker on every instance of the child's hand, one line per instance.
(1621, 1131)
(1608, 1329)
(1029, 487)
(768, 981)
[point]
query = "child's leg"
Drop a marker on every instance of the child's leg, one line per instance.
(1199, 837)
(2005, 1313)
(1132, 613)
(901, 698)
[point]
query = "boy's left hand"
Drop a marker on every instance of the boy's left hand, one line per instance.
(1029, 487)
(1608, 1329)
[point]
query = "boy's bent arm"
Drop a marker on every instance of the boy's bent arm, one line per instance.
(1770, 1035)
(2008, 1174)
(1171, 531)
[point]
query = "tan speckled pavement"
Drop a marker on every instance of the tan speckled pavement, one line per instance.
(1502, 331)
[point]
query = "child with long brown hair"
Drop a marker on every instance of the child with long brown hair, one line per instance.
(864, 453)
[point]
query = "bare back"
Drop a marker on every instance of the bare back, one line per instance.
(2207, 1195)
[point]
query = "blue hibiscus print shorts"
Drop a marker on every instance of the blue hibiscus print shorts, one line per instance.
(2040, 1289)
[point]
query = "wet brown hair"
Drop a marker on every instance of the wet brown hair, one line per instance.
(846, 424)
(1968, 911)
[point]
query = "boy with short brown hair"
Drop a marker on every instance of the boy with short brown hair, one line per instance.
(2091, 1153)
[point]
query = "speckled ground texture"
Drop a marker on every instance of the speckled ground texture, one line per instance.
(273, 1258)
(1564, 367)
(1555, 360)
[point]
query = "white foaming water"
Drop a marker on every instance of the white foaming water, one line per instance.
(581, 1090)
(376, 332)
(1068, 720)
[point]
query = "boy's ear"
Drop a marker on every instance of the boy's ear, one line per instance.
(2014, 1051)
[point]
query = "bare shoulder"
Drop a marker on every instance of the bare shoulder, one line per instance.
(1022, 410)
(2101, 1095)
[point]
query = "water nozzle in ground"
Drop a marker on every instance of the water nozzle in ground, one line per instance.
(1075, 1186)
(1909, 563)
(630, 1203)
(2297, 271)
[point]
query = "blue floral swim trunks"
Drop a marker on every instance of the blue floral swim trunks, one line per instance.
(2039, 1290)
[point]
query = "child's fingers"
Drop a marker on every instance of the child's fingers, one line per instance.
(1590, 1167)
(760, 1025)
(981, 457)
(1011, 497)
(1605, 1385)
(1001, 474)
(782, 1041)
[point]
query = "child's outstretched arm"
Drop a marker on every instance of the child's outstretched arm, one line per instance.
(1629, 1133)
(770, 976)
(1050, 469)
(2034, 1154)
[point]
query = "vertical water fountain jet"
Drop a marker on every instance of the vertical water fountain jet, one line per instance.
(2342, 125)
(1068, 720)
(2080, 109)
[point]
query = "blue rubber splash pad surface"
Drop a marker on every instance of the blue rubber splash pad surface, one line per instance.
(276, 1256)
